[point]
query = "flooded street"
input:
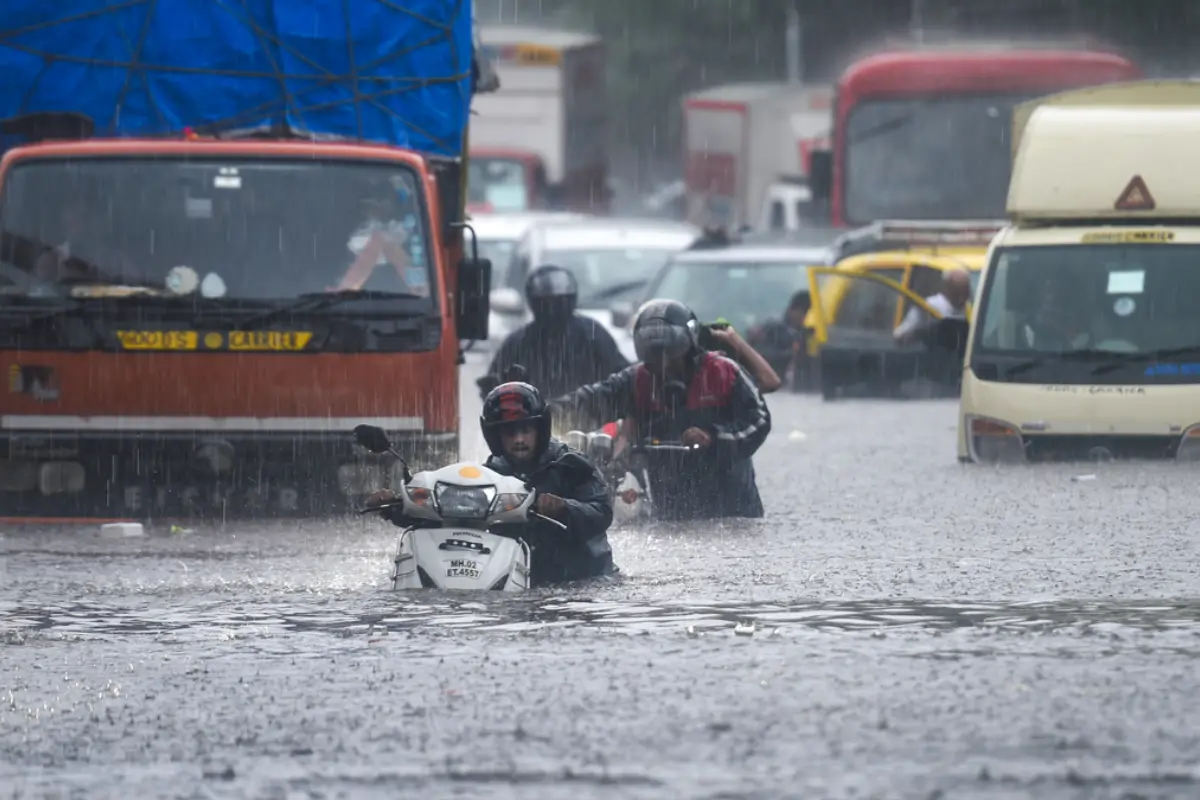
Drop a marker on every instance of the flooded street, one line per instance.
(899, 626)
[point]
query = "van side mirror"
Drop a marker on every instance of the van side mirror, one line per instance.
(474, 306)
(621, 314)
(507, 300)
(820, 174)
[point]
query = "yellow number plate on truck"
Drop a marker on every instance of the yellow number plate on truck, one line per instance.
(268, 340)
(243, 341)
(158, 340)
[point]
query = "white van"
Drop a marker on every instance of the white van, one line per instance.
(1085, 343)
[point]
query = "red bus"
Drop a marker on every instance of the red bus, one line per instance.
(925, 134)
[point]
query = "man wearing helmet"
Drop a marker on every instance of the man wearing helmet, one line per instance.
(559, 349)
(680, 391)
(516, 426)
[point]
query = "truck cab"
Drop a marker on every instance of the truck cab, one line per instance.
(1085, 345)
(203, 294)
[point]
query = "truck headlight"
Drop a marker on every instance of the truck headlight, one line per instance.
(1189, 445)
(992, 441)
(464, 502)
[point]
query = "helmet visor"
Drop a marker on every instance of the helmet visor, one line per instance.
(660, 342)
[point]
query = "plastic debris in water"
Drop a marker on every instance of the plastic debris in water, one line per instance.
(122, 530)
(797, 436)
(744, 629)
(181, 530)
(1082, 478)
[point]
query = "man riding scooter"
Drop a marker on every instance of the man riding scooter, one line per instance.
(704, 401)
(516, 426)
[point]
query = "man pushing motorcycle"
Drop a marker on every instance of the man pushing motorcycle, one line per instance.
(678, 391)
(516, 425)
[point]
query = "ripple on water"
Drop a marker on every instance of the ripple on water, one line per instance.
(439, 611)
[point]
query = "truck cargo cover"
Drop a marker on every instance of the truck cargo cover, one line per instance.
(367, 70)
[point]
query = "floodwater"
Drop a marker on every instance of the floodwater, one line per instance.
(899, 626)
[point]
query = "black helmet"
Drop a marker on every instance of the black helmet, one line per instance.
(552, 292)
(665, 328)
(511, 403)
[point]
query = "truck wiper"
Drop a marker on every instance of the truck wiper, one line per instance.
(1066, 355)
(27, 321)
(1123, 359)
(315, 301)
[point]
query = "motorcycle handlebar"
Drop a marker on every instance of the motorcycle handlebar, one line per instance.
(662, 447)
(398, 503)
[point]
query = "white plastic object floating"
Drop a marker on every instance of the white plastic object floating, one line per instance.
(797, 436)
(122, 530)
(744, 629)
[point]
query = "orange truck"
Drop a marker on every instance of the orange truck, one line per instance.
(219, 259)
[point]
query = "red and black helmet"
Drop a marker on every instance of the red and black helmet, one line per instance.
(510, 404)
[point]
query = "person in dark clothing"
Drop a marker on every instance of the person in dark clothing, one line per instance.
(560, 350)
(782, 342)
(516, 426)
(679, 392)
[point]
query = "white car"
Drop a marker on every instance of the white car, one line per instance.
(497, 236)
(744, 283)
(612, 259)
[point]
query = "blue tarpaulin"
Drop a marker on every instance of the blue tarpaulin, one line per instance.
(390, 71)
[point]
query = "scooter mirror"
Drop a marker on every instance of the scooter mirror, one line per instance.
(371, 437)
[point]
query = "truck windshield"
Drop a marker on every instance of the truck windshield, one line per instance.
(497, 184)
(244, 229)
(936, 158)
(1068, 310)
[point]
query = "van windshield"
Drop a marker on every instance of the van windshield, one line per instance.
(1093, 302)
(267, 229)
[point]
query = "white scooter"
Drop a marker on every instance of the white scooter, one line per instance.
(453, 545)
(629, 483)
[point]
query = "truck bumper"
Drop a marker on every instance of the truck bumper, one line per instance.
(198, 475)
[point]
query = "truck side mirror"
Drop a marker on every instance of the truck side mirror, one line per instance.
(474, 298)
(820, 174)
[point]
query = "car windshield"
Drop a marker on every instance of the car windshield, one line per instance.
(499, 252)
(497, 184)
(1128, 298)
(918, 158)
(235, 228)
(609, 274)
(746, 294)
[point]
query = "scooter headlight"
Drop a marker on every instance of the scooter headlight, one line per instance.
(464, 502)
(994, 442)
(1189, 445)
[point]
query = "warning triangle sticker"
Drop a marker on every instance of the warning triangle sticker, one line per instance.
(1135, 197)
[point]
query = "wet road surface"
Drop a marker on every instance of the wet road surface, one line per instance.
(899, 626)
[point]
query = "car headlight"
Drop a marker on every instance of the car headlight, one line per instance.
(994, 442)
(1189, 445)
(464, 502)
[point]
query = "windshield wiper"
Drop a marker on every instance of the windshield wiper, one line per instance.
(1123, 359)
(315, 301)
(1066, 355)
